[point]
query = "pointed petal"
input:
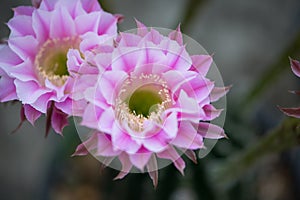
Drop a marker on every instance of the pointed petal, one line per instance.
(41, 21)
(29, 92)
(142, 30)
(177, 36)
(109, 83)
(31, 114)
(126, 166)
(211, 131)
(123, 141)
(23, 10)
(59, 120)
(218, 92)
(107, 120)
(104, 146)
(25, 47)
(20, 26)
(140, 159)
(211, 112)
(187, 137)
(153, 170)
(292, 112)
(7, 89)
(172, 154)
(295, 65)
(202, 63)
(62, 25)
(191, 155)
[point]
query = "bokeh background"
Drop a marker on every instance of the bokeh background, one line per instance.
(251, 42)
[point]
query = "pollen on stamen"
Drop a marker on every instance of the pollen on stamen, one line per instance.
(51, 60)
(136, 89)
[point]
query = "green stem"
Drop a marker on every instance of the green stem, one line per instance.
(284, 137)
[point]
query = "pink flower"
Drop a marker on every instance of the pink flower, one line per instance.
(293, 112)
(36, 56)
(151, 100)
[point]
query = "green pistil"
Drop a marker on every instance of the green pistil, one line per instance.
(144, 102)
(56, 64)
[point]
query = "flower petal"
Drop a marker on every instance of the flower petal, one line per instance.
(211, 131)
(31, 114)
(295, 65)
(58, 120)
(140, 159)
(122, 141)
(187, 137)
(172, 155)
(292, 112)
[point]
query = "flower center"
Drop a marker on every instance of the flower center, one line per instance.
(51, 60)
(145, 100)
(142, 98)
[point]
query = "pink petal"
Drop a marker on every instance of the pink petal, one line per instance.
(202, 63)
(122, 141)
(292, 112)
(177, 36)
(24, 71)
(20, 26)
(295, 65)
(24, 46)
(156, 143)
(108, 24)
(91, 5)
(153, 36)
(175, 79)
(89, 145)
(31, 114)
(41, 104)
(58, 120)
(126, 166)
(104, 146)
(62, 25)
(91, 116)
(191, 155)
(170, 125)
(129, 39)
(65, 106)
(140, 159)
(178, 58)
(48, 5)
(142, 30)
(95, 96)
(126, 59)
(41, 21)
(23, 10)
(211, 131)
(187, 137)
(8, 58)
(107, 120)
(109, 83)
(29, 92)
(172, 154)
(199, 87)
(153, 170)
(211, 112)
(88, 22)
(218, 92)
(7, 89)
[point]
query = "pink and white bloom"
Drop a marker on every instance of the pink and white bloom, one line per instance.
(36, 56)
(293, 112)
(151, 100)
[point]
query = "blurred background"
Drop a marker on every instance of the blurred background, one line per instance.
(251, 42)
